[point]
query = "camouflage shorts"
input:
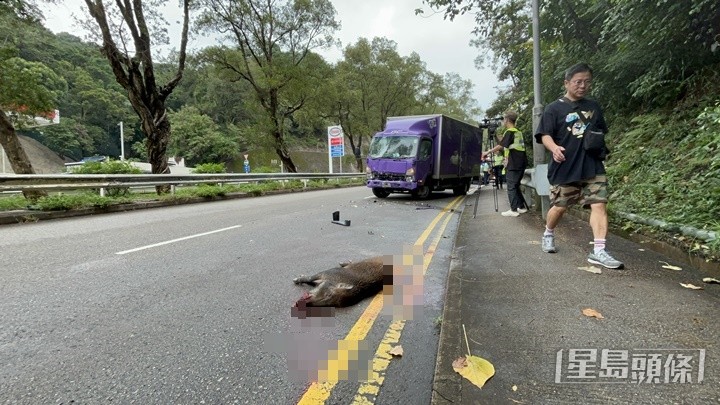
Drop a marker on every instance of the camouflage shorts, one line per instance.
(584, 192)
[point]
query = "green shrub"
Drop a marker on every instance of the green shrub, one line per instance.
(209, 168)
(210, 191)
(109, 167)
(61, 202)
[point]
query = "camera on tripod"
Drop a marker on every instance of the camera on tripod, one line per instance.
(491, 124)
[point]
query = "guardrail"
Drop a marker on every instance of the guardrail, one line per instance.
(56, 182)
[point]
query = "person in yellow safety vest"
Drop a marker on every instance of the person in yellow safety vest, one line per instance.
(498, 169)
(513, 145)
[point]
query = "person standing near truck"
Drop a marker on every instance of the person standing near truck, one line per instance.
(485, 169)
(576, 175)
(513, 144)
(498, 169)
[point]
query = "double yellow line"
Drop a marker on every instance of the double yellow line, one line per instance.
(319, 392)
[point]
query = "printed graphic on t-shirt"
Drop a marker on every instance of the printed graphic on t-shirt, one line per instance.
(577, 128)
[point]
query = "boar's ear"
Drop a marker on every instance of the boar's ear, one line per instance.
(344, 286)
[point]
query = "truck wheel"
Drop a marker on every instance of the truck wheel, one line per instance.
(461, 189)
(380, 192)
(422, 192)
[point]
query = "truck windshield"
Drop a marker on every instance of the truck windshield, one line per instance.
(395, 147)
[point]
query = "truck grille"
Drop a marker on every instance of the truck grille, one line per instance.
(389, 176)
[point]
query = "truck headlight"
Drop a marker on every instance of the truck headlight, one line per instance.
(368, 173)
(410, 174)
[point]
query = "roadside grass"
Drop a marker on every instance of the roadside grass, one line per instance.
(9, 202)
(92, 199)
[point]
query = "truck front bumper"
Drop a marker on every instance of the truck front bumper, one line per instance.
(392, 184)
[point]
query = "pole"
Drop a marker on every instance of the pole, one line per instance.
(2, 152)
(122, 142)
(538, 152)
(539, 156)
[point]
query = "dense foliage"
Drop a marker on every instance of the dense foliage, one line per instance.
(109, 167)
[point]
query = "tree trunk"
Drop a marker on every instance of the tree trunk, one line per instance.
(356, 148)
(282, 152)
(359, 162)
(157, 143)
(19, 160)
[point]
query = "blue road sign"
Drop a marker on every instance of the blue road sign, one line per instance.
(337, 150)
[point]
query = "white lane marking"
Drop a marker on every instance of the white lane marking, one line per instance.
(177, 240)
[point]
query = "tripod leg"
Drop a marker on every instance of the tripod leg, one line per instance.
(495, 197)
(477, 199)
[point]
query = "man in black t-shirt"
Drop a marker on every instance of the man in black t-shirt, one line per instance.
(576, 177)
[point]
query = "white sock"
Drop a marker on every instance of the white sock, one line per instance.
(599, 245)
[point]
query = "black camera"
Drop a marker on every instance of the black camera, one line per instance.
(491, 124)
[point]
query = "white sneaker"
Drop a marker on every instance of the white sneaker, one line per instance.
(510, 213)
(604, 259)
(522, 210)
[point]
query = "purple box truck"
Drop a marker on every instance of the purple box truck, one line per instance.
(423, 153)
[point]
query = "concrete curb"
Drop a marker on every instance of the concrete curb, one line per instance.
(447, 384)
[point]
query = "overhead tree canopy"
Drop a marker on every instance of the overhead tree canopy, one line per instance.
(272, 44)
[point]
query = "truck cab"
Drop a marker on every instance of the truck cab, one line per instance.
(421, 154)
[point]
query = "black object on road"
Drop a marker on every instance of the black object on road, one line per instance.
(336, 219)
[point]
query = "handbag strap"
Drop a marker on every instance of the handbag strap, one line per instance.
(576, 108)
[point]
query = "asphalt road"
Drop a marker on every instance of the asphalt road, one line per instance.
(191, 304)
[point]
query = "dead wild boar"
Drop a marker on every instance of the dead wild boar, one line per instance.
(346, 285)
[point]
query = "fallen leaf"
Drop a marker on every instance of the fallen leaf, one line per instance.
(670, 267)
(589, 312)
(591, 269)
(690, 286)
(396, 351)
(514, 387)
(476, 369)
(711, 280)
